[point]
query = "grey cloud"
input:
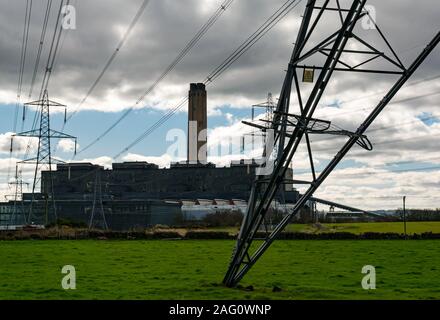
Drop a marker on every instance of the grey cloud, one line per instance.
(164, 29)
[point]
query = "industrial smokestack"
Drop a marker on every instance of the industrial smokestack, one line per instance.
(197, 124)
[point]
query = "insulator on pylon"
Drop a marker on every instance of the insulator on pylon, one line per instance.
(12, 141)
(24, 113)
(65, 115)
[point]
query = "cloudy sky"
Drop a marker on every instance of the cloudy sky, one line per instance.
(406, 155)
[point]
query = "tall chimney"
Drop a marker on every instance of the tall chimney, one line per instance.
(197, 124)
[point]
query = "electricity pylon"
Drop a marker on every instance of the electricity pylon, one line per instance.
(18, 209)
(325, 51)
(268, 105)
(44, 159)
(97, 193)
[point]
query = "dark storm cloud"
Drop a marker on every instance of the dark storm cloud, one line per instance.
(166, 26)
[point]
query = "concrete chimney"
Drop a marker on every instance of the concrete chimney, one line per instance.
(197, 124)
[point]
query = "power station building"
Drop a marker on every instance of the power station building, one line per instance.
(140, 194)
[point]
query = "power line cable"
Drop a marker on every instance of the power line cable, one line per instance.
(380, 92)
(432, 116)
(24, 44)
(112, 57)
(357, 174)
(49, 66)
(212, 76)
(189, 46)
(390, 171)
(389, 141)
(40, 46)
(156, 125)
(53, 50)
(271, 22)
(109, 61)
(64, 36)
(23, 57)
(203, 30)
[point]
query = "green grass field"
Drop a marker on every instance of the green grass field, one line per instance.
(362, 227)
(357, 228)
(190, 269)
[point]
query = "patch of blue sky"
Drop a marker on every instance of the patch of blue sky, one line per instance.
(7, 112)
(428, 118)
(239, 112)
(335, 103)
(409, 165)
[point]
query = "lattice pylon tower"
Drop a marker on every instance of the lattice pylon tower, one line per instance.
(269, 107)
(97, 196)
(18, 209)
(44, 160)
(325, 47)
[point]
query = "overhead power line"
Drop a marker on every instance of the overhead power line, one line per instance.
(112, 57)
(156, 125)
(24, 43)
(223, 7)
(424, 136)
(396, 171)
(202, 31)
(36, 66)
(387, 171)
(413, 83)
(388, 127)
(49, 65)
(214, 74)
(175, 109)
(52, 51)
(40, 46)
(64, 36)
(271, 22)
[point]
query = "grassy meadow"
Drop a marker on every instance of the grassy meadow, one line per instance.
(193, 269)
(363, 227)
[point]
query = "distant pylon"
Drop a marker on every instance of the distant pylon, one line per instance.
(18, 197)
(98, 193)
(268, 116)
(44, 160)
(268, 105)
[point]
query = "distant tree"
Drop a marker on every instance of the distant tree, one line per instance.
(67, 223)
(420, 214)
(224, 218)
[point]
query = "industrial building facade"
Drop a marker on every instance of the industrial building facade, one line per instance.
(142, 180)
(140, 194)
(135, 194)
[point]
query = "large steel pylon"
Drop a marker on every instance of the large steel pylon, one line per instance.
(291, 129)
(44, 159)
